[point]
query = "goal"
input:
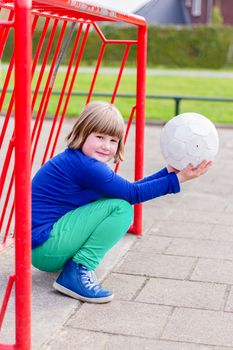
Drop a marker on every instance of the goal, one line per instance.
(44, 52)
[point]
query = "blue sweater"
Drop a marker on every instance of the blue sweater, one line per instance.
(71, 179)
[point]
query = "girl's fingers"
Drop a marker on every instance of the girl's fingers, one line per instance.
(190, 172)
(206, 167)
(202, 164)
(202, 168)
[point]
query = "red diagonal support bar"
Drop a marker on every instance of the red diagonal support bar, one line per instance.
(96, 71)
(126, 132)
(120, 73)
(6, 298)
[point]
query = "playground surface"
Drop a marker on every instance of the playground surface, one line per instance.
(173, 286)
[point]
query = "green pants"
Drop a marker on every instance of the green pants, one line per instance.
(84, 234)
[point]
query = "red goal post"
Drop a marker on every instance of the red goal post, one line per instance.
(28, 85)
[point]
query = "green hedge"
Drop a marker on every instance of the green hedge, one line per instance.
(199, 46)
(168, 46)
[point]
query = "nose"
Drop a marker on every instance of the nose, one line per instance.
(106, 145)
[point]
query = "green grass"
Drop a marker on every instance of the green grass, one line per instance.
(156, 109)
(220, 112)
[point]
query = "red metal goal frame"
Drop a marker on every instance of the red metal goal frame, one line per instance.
(20, 20)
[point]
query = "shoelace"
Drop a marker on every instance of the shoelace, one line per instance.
(89, 280)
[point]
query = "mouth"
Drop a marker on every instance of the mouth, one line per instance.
(103, 154)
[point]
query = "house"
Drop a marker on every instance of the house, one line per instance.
(200, 11)
(185, 11)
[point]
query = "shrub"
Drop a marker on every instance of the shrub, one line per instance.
(169, 46)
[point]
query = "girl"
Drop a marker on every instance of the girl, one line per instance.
(81, 208)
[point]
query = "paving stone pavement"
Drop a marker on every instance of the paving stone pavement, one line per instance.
(173, 286)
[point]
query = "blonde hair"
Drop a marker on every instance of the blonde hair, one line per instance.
(99, 117)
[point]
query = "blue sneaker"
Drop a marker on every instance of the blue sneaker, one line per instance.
(80, 283)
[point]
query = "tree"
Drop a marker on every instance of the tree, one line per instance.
(217, 18)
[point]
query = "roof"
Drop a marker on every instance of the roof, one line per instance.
(164, 12)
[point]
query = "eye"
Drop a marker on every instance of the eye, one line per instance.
(114, 140)
(99, 137)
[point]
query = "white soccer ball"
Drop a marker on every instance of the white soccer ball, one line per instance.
(188, 138)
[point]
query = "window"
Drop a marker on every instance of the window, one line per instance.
(196, 8)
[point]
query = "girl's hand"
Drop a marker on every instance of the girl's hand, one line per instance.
(190, 172)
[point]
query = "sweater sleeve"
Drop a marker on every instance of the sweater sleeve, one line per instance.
(100, 178)
(157, 175)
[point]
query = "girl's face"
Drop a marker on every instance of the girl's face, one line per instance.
(100, 147)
